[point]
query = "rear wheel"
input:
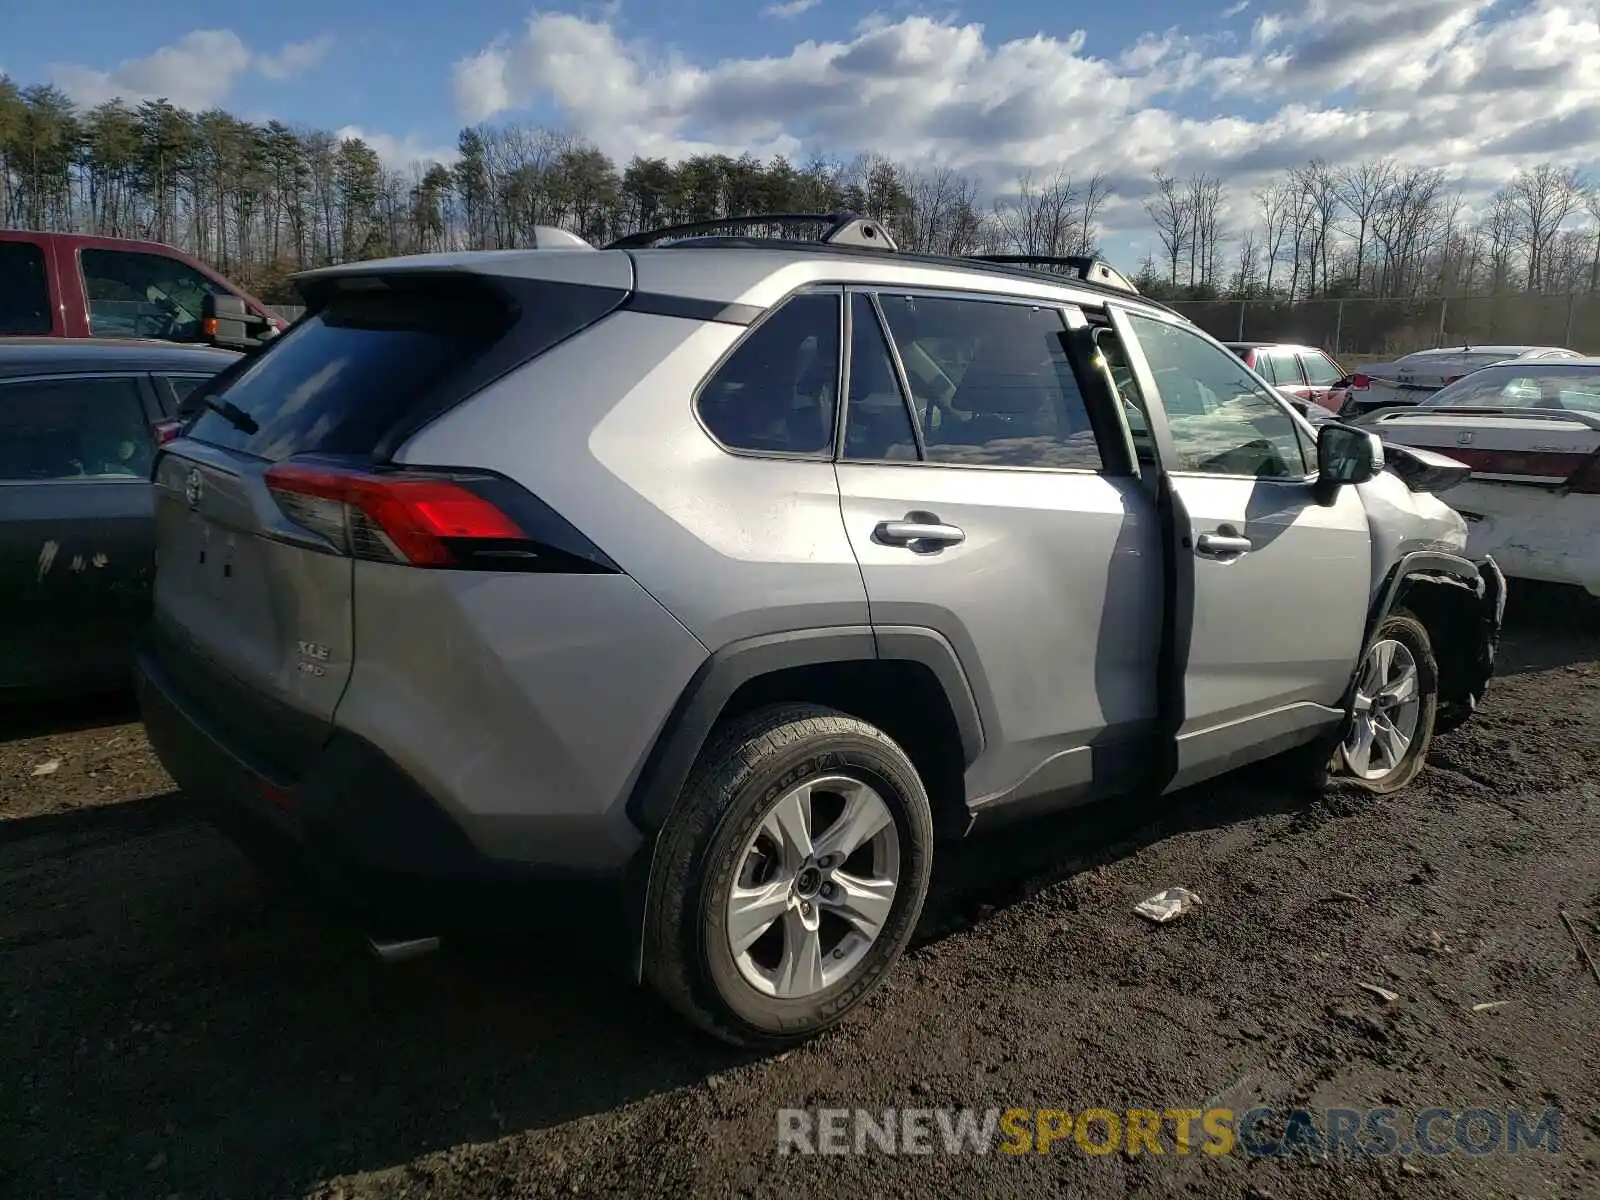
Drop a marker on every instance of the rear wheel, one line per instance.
(790, 876)
(1392, 714)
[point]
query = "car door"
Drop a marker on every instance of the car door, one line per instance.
(981, 504)
(1271, 585)
(1323, 377)
(76, 541)
(1286, 374)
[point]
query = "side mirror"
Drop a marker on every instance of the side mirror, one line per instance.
(227, 322)
(1345, 454)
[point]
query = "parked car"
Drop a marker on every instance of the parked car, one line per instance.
(700, 588)
(69, 285)
(78, 430)
(1414, 377)
(1307, 375)
(1530, 432)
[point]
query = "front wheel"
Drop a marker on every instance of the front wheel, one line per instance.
(790, 876)
(1394, 707)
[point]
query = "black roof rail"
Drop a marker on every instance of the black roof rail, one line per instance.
(843, 229)
(1090, 270)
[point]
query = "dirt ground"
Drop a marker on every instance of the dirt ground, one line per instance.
(172, 1029)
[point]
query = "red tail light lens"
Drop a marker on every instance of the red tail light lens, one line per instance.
(414, 519)
(1585, 481)
(1361, 382)
(166, 431)
(1449, 379)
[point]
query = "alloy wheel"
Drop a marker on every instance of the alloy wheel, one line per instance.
(814, 889)
(1387, 709)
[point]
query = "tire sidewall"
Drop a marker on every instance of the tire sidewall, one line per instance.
(860, 758)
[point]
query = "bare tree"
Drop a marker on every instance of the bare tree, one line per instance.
(1169, 209)
(1591, 205)
(1247, 265)
(1361, 189)
(1542, 198)
(1276, 206)
(1203, 204)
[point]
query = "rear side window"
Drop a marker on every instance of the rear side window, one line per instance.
(991, 383)
(73, 429)
(877, 421)
(1285, 370)
(778, 392)
(1262, 366)
(24, 291)
(343, 377)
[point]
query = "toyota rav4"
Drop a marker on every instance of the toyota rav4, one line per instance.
(695, 589)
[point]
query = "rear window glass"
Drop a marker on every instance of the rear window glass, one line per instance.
(340, 379)
(24, 293)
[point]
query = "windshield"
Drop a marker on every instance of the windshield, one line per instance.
(1525, 385)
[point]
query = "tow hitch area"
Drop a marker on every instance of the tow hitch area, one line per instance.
(398, 950)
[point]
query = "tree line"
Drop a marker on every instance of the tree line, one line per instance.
(262, 201)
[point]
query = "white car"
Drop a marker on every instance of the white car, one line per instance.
(1413, 378)
(1530, 432)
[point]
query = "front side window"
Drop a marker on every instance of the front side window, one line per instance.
(24, 289)
(132, 294)
(72, 429)
(777, 393)
(1320, 370)
(991, 383)
(1223, 421)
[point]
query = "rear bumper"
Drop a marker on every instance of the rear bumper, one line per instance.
(363, 836)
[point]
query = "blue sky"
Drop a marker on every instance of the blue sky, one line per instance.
(1479, 87)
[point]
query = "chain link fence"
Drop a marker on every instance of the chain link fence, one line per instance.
(1378, 329)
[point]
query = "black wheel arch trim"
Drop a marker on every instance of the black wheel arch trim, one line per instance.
(729, 668)
(1482, 578)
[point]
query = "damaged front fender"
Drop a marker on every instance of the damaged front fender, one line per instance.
(1462, 604)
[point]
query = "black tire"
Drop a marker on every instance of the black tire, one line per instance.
(744, 769)
(1404, 628)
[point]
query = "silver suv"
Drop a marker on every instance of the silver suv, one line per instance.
(692, 593)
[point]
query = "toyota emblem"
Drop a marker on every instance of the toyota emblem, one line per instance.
(194, 487)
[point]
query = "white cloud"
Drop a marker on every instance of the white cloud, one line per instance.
(792, 9)
(295, 58)
(399, 152)
(197, 71)
(1464, 84)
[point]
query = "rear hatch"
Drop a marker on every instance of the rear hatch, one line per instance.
(280, 482)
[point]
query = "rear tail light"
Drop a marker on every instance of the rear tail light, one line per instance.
(430, 519)
(1449, 379)
(1585, 481)
(1361, 382)
(166, 431)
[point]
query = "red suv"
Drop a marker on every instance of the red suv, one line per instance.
(69, 285)
(1303, 372)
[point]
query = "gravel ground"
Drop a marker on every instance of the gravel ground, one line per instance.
(172, 1029)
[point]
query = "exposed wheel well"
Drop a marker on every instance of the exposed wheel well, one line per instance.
(1448, 610)
(904, 699)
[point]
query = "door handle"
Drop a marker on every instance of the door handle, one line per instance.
(1218, 544)
(921, 536)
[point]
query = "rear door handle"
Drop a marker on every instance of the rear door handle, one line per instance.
(1218, 544)
(922, 536)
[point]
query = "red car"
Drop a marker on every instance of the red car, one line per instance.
(68, 285)
(1303, 372)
